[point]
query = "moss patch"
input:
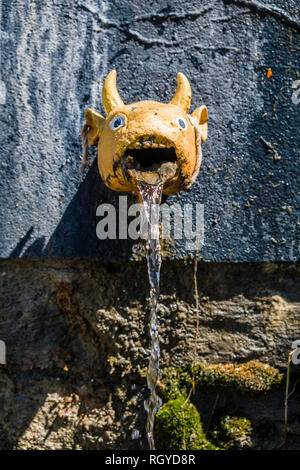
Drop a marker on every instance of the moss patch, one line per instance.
(250, 376)
(231, 431)
(178, 427)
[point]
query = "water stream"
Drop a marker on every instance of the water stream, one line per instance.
(151, 197)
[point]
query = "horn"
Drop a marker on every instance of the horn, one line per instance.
(110, 94)
(183, 94)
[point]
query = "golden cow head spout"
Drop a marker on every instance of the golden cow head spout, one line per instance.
(148, 140)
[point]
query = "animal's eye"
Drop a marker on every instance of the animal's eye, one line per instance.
(182, 122)
(117, 122)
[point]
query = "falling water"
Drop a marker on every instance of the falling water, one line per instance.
(151, 196)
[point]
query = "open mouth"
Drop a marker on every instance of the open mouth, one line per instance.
(150, 161)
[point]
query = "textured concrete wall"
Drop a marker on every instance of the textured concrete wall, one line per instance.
(54, 58)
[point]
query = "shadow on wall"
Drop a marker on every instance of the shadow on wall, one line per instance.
(75, 235)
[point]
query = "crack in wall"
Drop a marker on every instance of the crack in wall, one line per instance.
(267, 10)
(123, 26)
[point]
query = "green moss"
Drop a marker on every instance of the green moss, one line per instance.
(178, 424)
(250, 376)
(231, 430)
(178, 427)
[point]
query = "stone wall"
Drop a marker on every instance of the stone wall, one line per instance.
(78, 344)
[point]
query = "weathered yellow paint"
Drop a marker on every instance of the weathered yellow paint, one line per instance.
(145, 124)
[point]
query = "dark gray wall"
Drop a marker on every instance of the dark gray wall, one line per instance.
(54, 58)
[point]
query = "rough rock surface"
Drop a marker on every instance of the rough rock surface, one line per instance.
(76, 330)
(54, 58)
(77, 346)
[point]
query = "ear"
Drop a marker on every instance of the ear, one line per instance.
(95, 122)
(201, 115)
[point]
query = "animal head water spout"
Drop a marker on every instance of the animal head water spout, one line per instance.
(148, 140)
